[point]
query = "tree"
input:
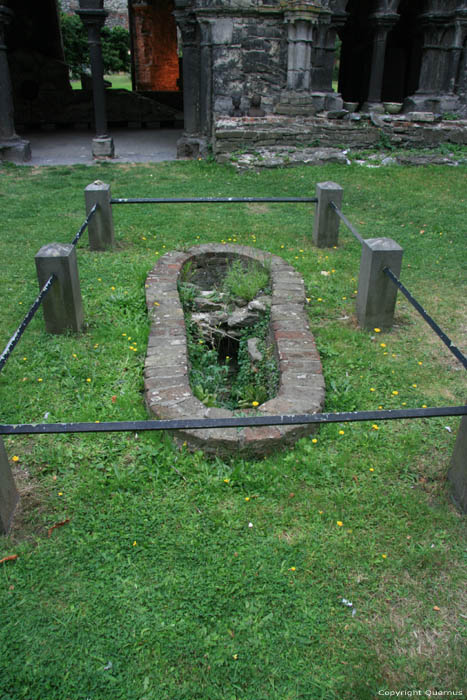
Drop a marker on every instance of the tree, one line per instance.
(115, 47)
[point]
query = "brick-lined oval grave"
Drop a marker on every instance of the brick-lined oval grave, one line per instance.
(166, 372)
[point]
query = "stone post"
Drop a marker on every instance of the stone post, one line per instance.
(457, 473)
(376, 297)
(63, 306)
(326, 225)
(101, 225)
(9, 496)
(93, 16)
(382, 26)
(205, 79)
(12, 147)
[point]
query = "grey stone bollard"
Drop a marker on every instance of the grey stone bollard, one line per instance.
(63, 306)
(9, 495)
(457, 473)
(101, 226)
(376, 298)
(326, 225)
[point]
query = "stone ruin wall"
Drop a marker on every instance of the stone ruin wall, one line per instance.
(117, 9)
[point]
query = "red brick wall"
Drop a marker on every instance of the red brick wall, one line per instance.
(155, 45)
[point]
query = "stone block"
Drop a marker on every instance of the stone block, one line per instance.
(457, 474)
(326, 223)
(101, 227)
(376, 297)
(63, 306)
(9, 496)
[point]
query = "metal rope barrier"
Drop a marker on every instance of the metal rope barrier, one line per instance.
(210, 200)
(236, 422)
(431, 322)
(350, 226)
(92, 211)
(25, 322)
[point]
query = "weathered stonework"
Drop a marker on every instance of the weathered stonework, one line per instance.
(247, 134)
(167, 389)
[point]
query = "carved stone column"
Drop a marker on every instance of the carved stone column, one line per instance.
(382, 25)
(443, 38)
(189, 29)
(301, 21)
(93, 16)
(12, 147)
(205, 78)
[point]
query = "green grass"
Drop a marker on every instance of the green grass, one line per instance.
(120, 81)
(158, 588)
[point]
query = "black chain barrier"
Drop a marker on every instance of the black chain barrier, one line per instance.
(431, 322)
(210, 200)
(25, 322)
(15, 338)
(237, 422)
(343, 218)
(83, 228)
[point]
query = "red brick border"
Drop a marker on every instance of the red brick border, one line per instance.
(168, 393)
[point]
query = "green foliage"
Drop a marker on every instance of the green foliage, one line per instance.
(256, 383)
(245, 281)
(115, 47)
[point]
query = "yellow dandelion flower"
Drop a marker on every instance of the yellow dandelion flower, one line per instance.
(247, 498)
(40, 379)
(394, 393)
(384, 556)
(293, 568)
(134, 543)
(383, 345)
(226, 481)
(15, 458)
(372, 388)
(88, 379)
(414, 386)
(314, 440)
(371, 469)
(375, 427)
(341, 432)
(339, 523)
(377, 330)
(255, 403)
(112, 288)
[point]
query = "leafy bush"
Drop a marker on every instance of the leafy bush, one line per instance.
(115, 47)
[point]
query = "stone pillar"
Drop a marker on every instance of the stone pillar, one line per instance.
(101, 226)
(443, 38)
(205, 78)
(326, 224)
(12, 147)
(9, 496)
(457, 474)
(93, 16)
(63, 306)
(376, 297)
(382, 25)
(300, 26)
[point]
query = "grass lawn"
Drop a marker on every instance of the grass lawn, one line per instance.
(120, 81)
(179, 577)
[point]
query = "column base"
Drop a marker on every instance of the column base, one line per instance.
(376, 107)
(438, 104)
(15, 150)
(103, 147)
(190, 146)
